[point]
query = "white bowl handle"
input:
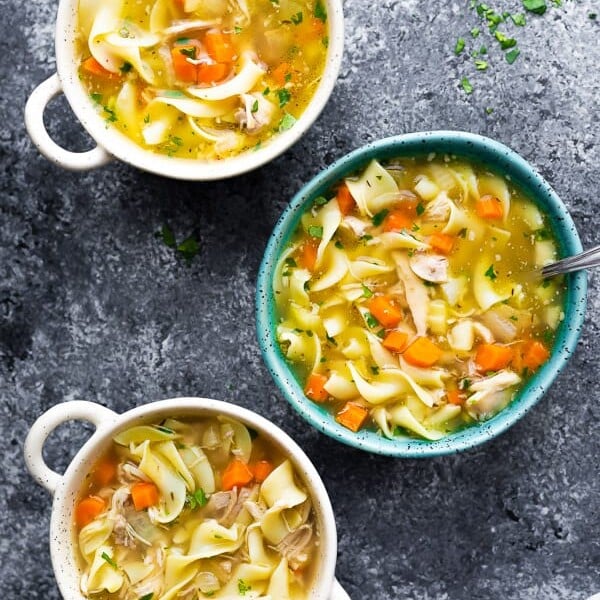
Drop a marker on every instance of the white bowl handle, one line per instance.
(34, 121)
(338, 592)
(47, 423)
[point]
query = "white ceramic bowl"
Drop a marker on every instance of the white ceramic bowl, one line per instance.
(66, 488)
(112, 143)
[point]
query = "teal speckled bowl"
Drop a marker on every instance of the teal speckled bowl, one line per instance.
(500, 159)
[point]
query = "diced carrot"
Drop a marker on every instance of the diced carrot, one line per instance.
(88, 509)
(282, 74)
(91, 65)
(211, 73)
(144, 495)
(219, 46)
(184, 69)
(489, 207)
(396, 220)
(441, 242)
(385, 311)
(455, 397)
(493, 357)
(422, 353)
(352, 416)
(317, 26)
(308, 254)
(535, 355)
(236, 474)
(517, 360)
(315, 387)
(262, 469)
(395, 341)
(345, 200)
(105, 472)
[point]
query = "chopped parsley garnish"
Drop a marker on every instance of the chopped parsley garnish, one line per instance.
(375, 370)
(339, 245)
(96, 97)
(189, 52)
(109, 560)
(254, 107)
(481, 65)
(320, 201)
(173, 94)
(125, 67)
(489, 110)
(546, 283)
(459, 46)
(475, 32)
(535, 6)
(547, 336)
(284, 97)
(147, 119)
(505, 41)
(463, 233)
(466, 85)
(541, 234)
(188, 248)
(111, 114)
(148, 596)
(367, 293)
(331, 340)
(164, 429)
(297, 18)
(167, 236)
(290, 262)
(465, 384)
(512, 55)
(370, 320)
(266, 91)
(420, 209)
(518, 19)
(320, 11)
(325, 40)
(315, 231)
(287, 122)
(237, 29)
(379, 217)
(197, 499)
(243, 587)
(491, 273)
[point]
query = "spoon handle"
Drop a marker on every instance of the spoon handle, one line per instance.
(585, 260)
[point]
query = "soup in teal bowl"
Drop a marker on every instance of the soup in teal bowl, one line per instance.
(398, 306)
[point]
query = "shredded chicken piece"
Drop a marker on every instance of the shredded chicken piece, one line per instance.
(356, 225)
(416, 293)
(244, 494)
(130, 473)
(256, 113)
(438, 210)
(430, 267)
(491, 394)
(294, 546)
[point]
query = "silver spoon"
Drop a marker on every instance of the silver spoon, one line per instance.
(585, 260)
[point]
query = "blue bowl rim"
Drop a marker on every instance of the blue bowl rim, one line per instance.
(499, 158)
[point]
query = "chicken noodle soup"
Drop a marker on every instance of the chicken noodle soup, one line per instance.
(406, 299)
(195, 509)
(202, 78)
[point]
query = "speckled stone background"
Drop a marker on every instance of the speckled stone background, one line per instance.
(93, 306)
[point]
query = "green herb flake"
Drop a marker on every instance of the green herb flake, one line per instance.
(96, 97)
(331, 340)
(284, 97)
(512, 55)
(518, 19)
(287, 122)
(297, 18)
(243, 587)
(196, 500)
(547, 336)
(420, 209)
(459, 46)
(541, 234)
(167, 236)
(315, 231)
(339, 245)
(148, 596)
(489, 110)
(325, 41)
(320, 11)
(109, 560)
(467, 86)
(505, 41)
(164, 429)
(538, 7)
(465, 384)
(254, 107)
(491, 273)
(125, 67)
(189, 52)
(290, 262)
(266, 91)
(237, 30)
(370, 320)
(111, 114)
(147, 119)
(189, 248)
(463, 233)
(367, 293)
(375, 370)
(379, 217)
(481, 65)
(320, 201)
(546, 283)
(475, 32)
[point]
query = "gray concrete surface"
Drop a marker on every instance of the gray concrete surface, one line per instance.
(93, 306)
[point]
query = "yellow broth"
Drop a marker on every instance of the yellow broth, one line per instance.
(287, 39)
(106, 538)
(490, 306)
